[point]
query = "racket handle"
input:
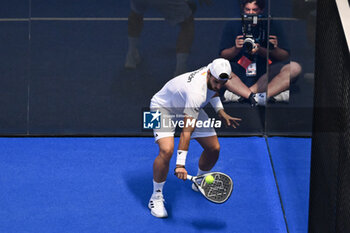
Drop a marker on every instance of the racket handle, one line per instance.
(189, 177)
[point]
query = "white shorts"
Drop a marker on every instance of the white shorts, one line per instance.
(169, 130)
(174, 11)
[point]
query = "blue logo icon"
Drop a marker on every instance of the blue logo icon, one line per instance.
(151, 120)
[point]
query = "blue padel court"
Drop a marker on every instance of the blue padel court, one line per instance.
(94, 185)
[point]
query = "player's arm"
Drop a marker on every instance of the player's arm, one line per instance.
(219, 109)
(185, 136)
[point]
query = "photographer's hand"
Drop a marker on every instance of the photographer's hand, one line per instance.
(273, 40)
(239, 42)
(256, 48)
(233, 51)
(276, 52)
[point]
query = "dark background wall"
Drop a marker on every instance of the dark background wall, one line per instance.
(62, 68)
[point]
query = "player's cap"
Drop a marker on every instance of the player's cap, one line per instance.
(218, 67)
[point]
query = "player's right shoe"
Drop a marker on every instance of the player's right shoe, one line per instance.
(156, 205)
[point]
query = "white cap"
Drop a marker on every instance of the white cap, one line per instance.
(220, 66)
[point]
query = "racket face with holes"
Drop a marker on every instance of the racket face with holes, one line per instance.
(219, 191)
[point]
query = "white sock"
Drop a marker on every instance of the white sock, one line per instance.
(158, 187)
(201, 172)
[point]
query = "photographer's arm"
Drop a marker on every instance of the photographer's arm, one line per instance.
(279, 54)
(276, 52)
(232, 52)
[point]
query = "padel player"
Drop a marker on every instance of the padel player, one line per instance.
(182, 98)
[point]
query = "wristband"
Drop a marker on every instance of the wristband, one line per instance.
(181, 157)
(216, 103)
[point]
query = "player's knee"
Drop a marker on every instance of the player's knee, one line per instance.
(166, 153)
(214, 150)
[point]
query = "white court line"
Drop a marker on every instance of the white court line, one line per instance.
(120, 19)
(14, 19)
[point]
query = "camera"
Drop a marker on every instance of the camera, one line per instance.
(254, 30)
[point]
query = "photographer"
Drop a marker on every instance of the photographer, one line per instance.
(246, 45)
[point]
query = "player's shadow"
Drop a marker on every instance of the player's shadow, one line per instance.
(141, 186)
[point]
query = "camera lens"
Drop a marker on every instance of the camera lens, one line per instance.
(248, 44)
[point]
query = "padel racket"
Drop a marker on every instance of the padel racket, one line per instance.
(218, 191)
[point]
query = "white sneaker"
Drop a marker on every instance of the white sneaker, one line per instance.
(282, 97)
(132, 59)
(230, 97)
(156, 205)
(260, 98)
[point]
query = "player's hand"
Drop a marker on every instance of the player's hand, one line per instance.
(181, 173)
(229, 120)
(206, 2)
(239, 42)
(273, 40)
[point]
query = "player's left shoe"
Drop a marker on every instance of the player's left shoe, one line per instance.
(156, 205)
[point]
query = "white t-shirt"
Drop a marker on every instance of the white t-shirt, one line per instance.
(185, 94)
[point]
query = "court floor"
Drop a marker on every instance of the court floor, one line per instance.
(103, 185)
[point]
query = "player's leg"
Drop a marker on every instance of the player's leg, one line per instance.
(179, 12)
(135, 25)
(207, 138)
(210, 154)
(184, 44)
(161, 163)
(164, 137)
(160, 172)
